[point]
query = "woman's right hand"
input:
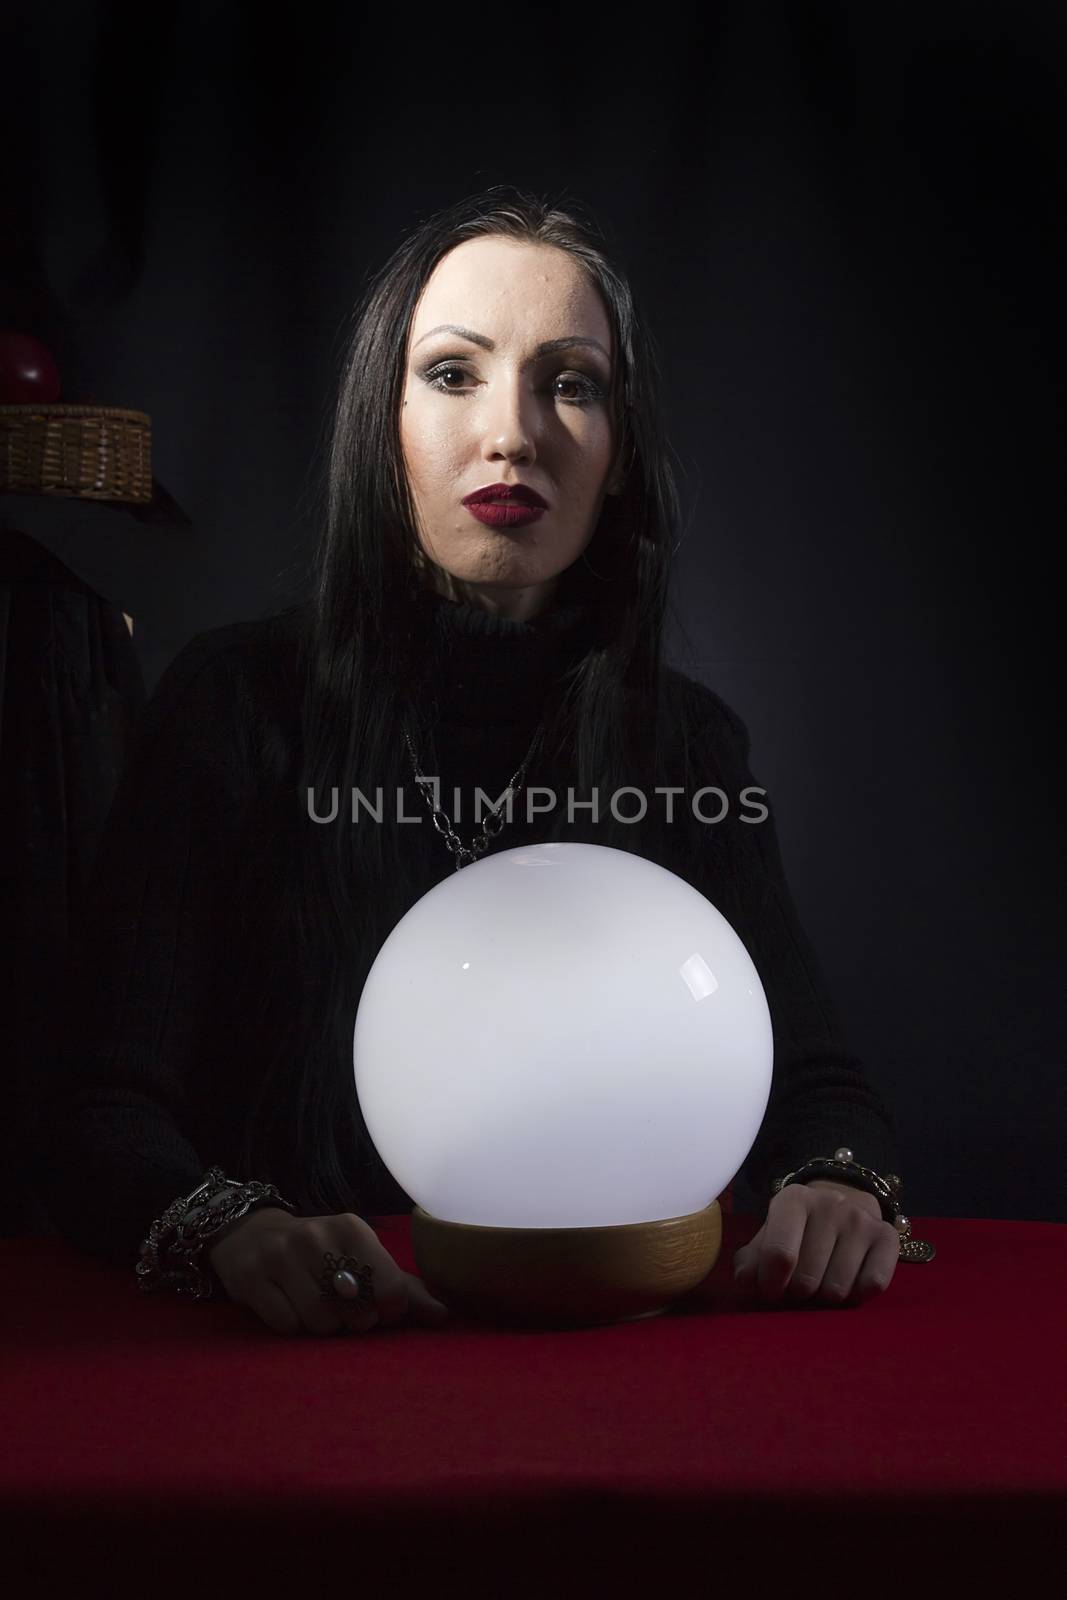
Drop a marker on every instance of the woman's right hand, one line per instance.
(273, 1263)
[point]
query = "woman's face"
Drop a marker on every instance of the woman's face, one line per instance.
(474, 416)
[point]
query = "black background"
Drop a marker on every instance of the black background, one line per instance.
(841, 222)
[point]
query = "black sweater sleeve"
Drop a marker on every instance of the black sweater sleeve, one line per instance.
(114, 1146)
(820, 1096)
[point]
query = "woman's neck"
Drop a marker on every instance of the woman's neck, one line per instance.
(523, 604)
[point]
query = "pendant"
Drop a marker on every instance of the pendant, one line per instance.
(916, 1250)
(911, 1249)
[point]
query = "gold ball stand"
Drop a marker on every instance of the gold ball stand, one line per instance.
(565, 1277)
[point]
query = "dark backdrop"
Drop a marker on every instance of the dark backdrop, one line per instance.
(840, 220)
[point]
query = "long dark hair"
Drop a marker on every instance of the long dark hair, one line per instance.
(362, 666)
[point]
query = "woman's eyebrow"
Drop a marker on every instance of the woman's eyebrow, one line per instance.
(544, 349)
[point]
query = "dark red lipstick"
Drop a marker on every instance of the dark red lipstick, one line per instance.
(505, 505)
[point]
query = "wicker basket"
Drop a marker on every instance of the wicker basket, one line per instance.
(93, 452)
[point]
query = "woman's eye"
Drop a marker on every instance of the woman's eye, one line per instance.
(587, 389)
(437, 379)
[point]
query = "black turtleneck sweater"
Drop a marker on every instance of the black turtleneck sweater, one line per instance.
(133, 1120)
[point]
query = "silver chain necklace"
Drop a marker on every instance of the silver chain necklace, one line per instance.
(491, 825)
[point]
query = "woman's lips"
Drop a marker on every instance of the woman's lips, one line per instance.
(505, 514)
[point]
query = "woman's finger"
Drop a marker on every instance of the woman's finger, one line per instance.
(816, 1250)
(855, 1236)
(783, 1233)
(273, 1306)
(424, 1308)
(354, 1306)
(876, 1273)
(354, 1316)
(746, 1261)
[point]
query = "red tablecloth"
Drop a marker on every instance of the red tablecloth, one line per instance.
(923, 1431)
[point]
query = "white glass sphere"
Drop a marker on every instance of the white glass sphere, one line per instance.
(563, 1036)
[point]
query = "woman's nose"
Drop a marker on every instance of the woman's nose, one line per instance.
(509, 422)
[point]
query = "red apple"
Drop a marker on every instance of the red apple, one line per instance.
(28, 375)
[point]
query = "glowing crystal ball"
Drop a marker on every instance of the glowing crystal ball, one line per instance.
(563, 1035)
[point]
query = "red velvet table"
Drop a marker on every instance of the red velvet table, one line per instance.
(850, 1449)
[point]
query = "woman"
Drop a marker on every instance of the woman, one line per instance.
(237, 910)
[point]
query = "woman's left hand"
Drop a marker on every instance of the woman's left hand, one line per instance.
(821, 1240)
